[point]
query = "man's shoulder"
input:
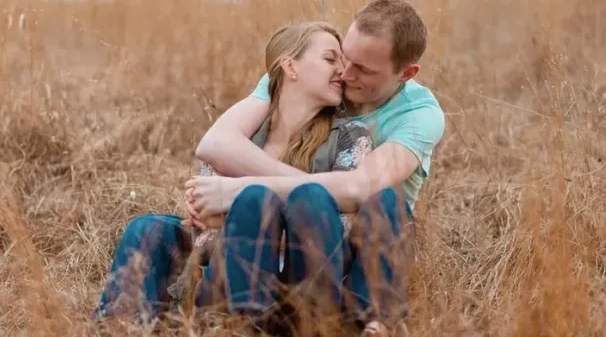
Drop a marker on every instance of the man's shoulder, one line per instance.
(261, 91)
(414, 104)
(414, 95)
(415, 111)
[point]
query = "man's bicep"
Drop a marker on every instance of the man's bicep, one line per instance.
(419, 131)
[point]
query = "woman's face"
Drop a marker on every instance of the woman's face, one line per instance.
(319, 70)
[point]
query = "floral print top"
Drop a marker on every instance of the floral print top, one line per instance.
(353, 144)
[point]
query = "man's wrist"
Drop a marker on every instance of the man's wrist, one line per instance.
(286, 170)
(242, 182)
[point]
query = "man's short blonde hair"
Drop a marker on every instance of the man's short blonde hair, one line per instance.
(401, 21)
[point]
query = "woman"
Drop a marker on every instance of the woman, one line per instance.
(303, 63)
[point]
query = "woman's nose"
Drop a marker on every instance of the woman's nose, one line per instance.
(339, 67)
(339, 70)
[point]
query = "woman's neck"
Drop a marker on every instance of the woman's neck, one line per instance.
(294, 111)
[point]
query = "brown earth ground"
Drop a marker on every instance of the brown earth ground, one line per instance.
(103, 102)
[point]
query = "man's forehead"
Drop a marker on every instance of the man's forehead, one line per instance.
(365, 49)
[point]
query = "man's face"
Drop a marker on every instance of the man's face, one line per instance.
(369, 74)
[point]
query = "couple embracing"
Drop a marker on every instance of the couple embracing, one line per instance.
(311, 181)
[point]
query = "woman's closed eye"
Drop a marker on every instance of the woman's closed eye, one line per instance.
(335, 61)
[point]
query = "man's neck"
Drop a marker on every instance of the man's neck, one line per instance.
(354, 109)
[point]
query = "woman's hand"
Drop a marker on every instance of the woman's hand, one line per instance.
(212, 222)
(192, 219)
(211, 196)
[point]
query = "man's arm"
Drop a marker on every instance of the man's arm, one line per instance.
(227, 145)
(388, 165)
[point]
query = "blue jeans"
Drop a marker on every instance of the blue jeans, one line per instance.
(157, 239)
(249, 264)
(246, 269)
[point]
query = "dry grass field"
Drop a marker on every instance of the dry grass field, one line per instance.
(103, 102)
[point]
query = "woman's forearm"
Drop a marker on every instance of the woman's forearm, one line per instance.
(236, 156)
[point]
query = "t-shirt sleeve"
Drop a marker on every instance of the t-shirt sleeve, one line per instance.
(420, 130)
(354, 143)
(262, 89)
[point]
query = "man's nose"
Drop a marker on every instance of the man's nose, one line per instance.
(347, 73)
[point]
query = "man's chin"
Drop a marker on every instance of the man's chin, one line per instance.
(351, 96)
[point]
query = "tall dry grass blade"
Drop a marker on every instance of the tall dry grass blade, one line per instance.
(39, 300)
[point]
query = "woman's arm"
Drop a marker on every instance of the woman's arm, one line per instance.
(227, 145)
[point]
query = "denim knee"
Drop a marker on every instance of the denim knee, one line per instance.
(312, 193)
(387, 201)
(139, 227)
(151, 231)
(386, 197)
(312, 211)
(254, 197)
(250, 206)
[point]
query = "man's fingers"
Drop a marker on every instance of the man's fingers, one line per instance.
(198, 205)
(189, 194)
(191, 183)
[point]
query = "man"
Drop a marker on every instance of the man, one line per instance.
(381, 50)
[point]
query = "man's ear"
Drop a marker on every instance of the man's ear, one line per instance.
(288, 66)
(409, 72)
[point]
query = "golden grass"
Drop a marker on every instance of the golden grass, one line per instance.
(100, 99)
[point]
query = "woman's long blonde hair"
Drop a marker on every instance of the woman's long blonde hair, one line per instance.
(291, 41)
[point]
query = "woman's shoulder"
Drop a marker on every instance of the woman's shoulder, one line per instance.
(349, 127)
(353, 144)
(351, 123)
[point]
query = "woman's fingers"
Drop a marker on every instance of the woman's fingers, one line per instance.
(204, 214)
(198, 224)
(192, 210)
(189, 222)
(215, 221)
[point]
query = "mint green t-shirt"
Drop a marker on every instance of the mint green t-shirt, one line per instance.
(412, 118)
